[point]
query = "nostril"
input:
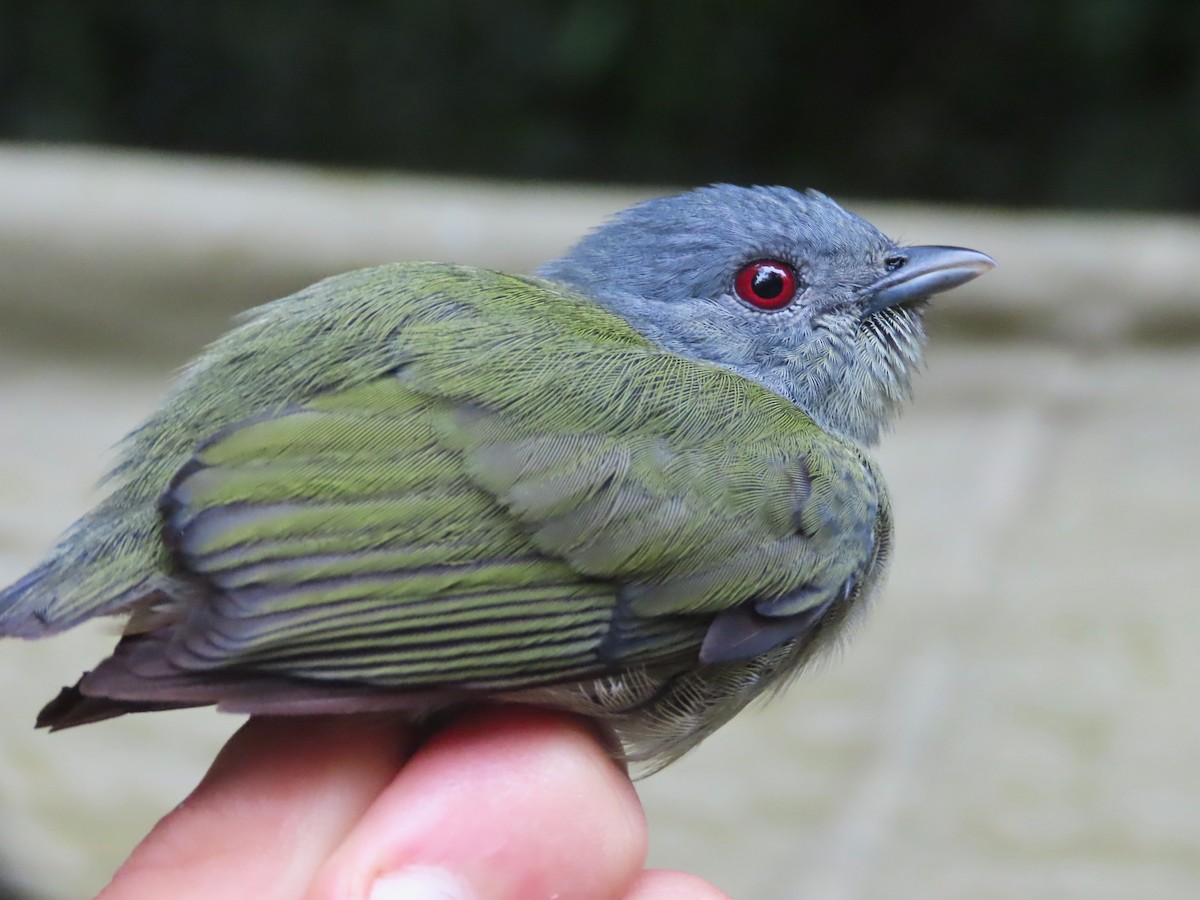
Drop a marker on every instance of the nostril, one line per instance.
(892, 263)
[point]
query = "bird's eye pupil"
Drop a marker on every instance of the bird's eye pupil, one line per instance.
(767, 284)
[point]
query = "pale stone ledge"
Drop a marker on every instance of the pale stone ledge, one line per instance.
(156, 251)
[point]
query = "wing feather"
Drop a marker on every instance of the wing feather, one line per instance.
(532, 502)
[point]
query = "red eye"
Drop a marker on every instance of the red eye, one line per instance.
(766, 284)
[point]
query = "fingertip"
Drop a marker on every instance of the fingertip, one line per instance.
(514, 802)
(667, 884)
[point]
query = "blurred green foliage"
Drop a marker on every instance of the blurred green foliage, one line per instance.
(1060, 102)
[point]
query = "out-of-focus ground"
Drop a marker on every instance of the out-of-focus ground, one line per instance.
(1017, 717)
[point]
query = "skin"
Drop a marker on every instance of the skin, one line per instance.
(498, 804)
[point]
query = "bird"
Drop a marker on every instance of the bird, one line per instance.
(634, 486)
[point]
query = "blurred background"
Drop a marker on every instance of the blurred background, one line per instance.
(1082, 103)
(1018, 717)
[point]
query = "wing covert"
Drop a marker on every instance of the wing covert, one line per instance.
(507, 511)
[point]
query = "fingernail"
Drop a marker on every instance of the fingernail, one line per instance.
(420, 883)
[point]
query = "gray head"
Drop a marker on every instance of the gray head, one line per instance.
(785, 288)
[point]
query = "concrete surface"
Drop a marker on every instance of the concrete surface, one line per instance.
(1016, 719)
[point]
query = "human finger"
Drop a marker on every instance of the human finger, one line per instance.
(503, 803)
(281, 795)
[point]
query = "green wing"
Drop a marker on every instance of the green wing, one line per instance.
(430, 475)
(339, 540)
(503, 513)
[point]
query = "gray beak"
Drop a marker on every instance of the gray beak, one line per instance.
(925, 271)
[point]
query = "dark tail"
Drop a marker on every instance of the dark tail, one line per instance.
(138, 678)
(72, 707)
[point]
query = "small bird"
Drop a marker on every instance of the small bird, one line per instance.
(634, 487)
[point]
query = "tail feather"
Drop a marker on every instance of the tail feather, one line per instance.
(136, 678)
(72, 707)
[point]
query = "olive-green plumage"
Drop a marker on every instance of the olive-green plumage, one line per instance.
(418, 485)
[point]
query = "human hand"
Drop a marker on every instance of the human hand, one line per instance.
(502, 803)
